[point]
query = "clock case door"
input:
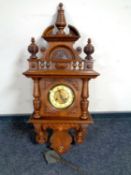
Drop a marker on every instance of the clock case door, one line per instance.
(47, 109)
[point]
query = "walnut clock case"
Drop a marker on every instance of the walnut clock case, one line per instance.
(61, 79)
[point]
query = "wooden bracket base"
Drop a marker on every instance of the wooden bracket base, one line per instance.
(60, 139)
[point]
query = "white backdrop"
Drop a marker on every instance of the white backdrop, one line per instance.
(108, 23)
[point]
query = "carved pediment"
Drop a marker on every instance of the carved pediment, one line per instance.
(60, 52)
(56, 32)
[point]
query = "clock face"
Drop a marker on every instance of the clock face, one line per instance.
(61, 96)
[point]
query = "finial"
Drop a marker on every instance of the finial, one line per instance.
(60, 21)
(60, 5)
(89, 40)
(89, 49)
(33, 40)
(33, 48)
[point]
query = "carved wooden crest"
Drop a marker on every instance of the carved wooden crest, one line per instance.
(60, 53)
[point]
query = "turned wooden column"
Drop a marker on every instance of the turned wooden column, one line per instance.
(36, 101)
(84, 102)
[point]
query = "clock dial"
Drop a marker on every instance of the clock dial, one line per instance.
(61, 96)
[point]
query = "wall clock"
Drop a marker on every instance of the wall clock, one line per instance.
(61, 79)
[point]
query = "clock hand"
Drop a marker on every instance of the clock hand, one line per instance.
(61, 96)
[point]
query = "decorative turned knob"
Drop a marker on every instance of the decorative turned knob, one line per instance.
(89, 49)
(61, 5)
(79, 50)
(33, 48)
(43, 49)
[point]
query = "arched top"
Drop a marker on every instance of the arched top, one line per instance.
(73, 31)
(61, 53)
(48, 31)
